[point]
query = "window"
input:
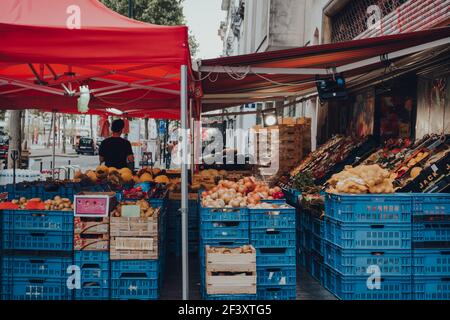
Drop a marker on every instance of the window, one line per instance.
(352, 19)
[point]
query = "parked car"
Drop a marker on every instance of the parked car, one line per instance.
(86, 146)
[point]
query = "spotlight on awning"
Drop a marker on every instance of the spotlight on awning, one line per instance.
(114, 111)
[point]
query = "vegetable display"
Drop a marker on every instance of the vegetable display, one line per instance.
(362, 179)
(240, 194)
(146, 210)
(57, 204)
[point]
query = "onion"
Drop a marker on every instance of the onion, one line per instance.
(214, 196)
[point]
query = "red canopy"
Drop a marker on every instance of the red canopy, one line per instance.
(49, 48)
(275, 75)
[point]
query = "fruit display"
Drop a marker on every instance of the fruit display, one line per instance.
(57, 204)
(122, 176)
(406, 160)
(246, 191)
(362, 179)
(334, 151)
(146, 190)
(146, 210)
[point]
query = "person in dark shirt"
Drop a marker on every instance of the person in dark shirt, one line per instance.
(115, 151)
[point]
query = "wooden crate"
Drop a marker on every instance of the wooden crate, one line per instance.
(91, 226)
(130, 248)
(176, 195)
(230, 273)
(98, 242)
(134, 227)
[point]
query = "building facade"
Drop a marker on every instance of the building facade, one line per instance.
(265, 25)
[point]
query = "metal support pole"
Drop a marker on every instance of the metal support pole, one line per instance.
(54, 145)
(184, 182)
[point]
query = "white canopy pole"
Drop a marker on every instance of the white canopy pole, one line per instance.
(183, 138)
(54, 145)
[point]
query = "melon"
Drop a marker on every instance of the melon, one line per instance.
(112, 169)
(162, 179)
(146, 177)
(415, 172)
(126, 174)
(92, 176)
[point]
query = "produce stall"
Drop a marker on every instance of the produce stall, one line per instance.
(55, 63)
(250, 240)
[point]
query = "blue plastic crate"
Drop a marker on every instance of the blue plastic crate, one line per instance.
(99, 258)
(303, 257)
(35, 289)
(92, 291)
(306, 239)
(373, 208)
(357, 262)
(235, 297)
(306, 220)
(431, 204)
(356, 287)
(316, 267)
(147, 269)
(30, 240)
(317, 227)
(432, 288)
(282, 257)
(368, 236)
(291, 196)
(276, 276)
(94, 266)
(272, 238)
(317, 244)
(431, 232)
(223, 214)
(134, 289)
(37, 220)
(222, 230)
(277, 292)
(275, 201)
(431, 262)
(36, 266)
(272, 218)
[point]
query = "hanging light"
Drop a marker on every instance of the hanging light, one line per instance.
(114, 111)
(270, 119)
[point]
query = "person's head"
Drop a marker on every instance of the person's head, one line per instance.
(117, 126)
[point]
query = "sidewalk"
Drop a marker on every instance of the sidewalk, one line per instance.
(43, 152)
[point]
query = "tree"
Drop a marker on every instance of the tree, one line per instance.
(161, 12)
(15, 135)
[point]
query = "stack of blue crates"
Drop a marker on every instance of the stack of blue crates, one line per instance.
(37, 249)
(227, 227)
(174, 227)
(273, 234)
(310, 242)
(94, 275)
(142, 279)
(431, 246)
(367, 248)
(135, 279)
